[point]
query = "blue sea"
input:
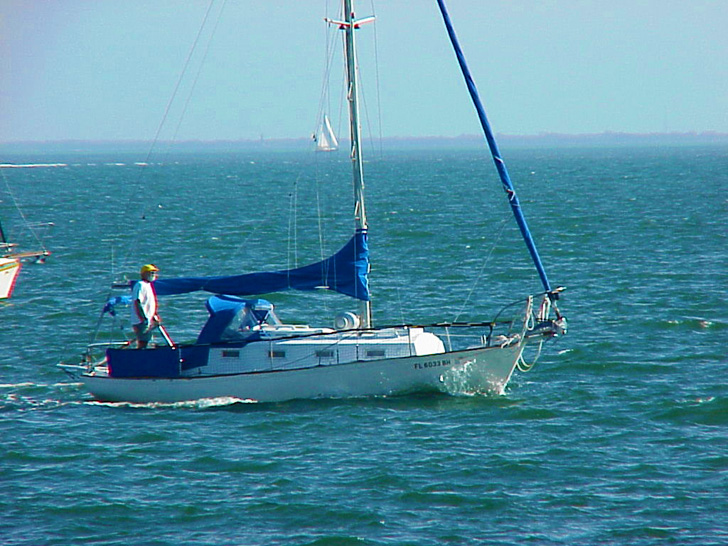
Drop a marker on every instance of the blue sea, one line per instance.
(618, 435)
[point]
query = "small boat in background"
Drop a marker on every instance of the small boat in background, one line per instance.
(11, 261)
(325, 138)
(9, 270)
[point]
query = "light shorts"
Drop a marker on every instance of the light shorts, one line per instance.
(142, 333)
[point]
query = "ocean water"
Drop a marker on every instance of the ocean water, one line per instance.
(619, 434)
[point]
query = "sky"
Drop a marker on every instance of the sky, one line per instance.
(108, 70)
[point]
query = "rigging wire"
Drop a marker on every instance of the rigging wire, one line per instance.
(330, 35)
(168, 108)
(363, 97)
(324, 104)
(177, 86)
(155, 141)
(202, 64)
(362, 91)
(377, 81)
(476, 282)
(332, 52)
(293, 227)
(28, 225)
(179, 80)
(324, 100)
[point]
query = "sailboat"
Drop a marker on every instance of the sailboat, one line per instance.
(244, 351)
(9, 271)
(11, 258)
(325, 137)
(11, 261)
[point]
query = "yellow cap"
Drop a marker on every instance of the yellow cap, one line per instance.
(149, 267)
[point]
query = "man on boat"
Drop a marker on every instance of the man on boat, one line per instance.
(144, 315)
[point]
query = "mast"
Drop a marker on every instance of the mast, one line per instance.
(349, 25)
(499, 163)
(5, 246)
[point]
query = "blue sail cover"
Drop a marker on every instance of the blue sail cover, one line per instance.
(345, 272)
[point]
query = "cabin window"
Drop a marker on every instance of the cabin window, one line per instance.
(277, 354)
(231, 354)
(375, 352)
(327, 353)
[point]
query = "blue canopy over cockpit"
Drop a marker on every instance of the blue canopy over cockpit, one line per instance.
(236, 319)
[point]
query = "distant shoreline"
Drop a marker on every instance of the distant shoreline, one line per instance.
(545, 140)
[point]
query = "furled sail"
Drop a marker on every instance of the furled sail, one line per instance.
(495, 152)
(345, 272)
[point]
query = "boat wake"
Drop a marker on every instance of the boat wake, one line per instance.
(29, 396)
(467, 381)
(202, 403)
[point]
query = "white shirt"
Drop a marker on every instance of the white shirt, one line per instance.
(143, 292)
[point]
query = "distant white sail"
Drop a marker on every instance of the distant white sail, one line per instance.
(326, 139)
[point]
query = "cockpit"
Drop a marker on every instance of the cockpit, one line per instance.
(236, 319)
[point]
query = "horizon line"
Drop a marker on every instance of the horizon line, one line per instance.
(542, 135)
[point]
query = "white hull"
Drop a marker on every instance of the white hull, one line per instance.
(478, 370)
(9, 269)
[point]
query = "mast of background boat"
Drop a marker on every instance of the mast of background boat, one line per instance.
(349, 25)
(5, 246)
(3, 241)
(499, 163)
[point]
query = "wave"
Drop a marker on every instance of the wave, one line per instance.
(14, 402)
(696, 323)
(30, 165)
(703, 409)
(33, 385)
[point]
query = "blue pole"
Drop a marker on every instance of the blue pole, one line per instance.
(499, 163)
